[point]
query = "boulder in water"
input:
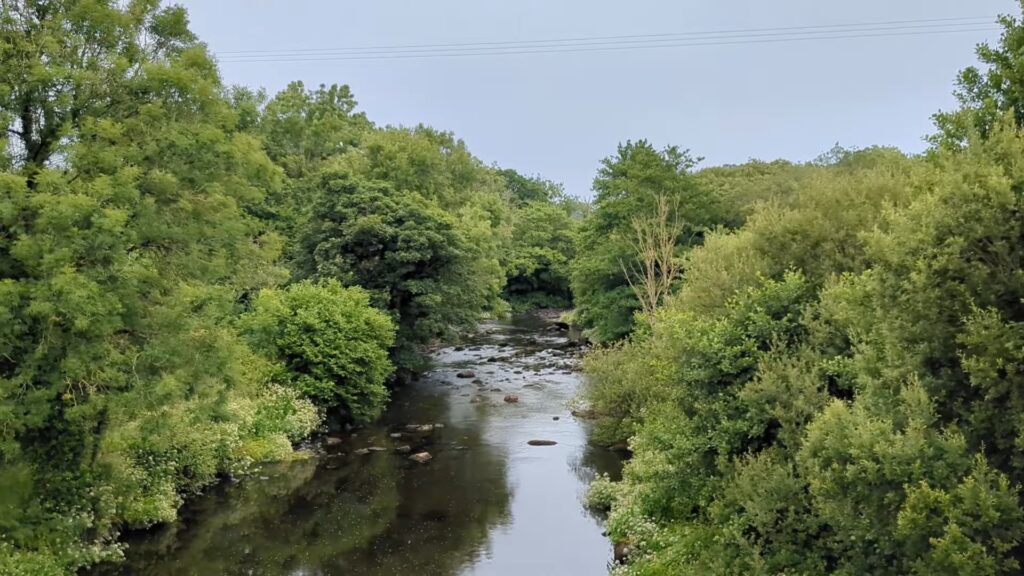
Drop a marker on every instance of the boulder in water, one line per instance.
(542, 442)
(511, 398)
(421, 457)
(466, 374)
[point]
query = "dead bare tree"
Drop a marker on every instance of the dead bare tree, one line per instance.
(653, 243)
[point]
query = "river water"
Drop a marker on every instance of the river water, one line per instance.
(486, 504)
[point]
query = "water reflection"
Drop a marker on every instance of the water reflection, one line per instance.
(486, 504)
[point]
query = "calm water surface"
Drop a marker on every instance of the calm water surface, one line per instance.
(487, 504)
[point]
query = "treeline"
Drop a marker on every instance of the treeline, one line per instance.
(835, 383)
(193, 276)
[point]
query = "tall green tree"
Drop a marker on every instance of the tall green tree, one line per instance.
(538, 257)
(408, 252)
(303, 128)
(126, 250)
(987, 93)
(628, 186)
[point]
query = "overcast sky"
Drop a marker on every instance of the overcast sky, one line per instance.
(558, 114)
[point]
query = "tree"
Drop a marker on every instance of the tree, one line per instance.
(525, 190)
(58, 75)
(332, 345)
(302, 128)
(654, 268)
(401, 247)
(627, 186)
(126, 252)
(985, 95)
(538, 258)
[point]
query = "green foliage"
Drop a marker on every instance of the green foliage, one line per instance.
(985, 96)
(405, 250)
(626, 187)
(538, 257)
(302, 128)
(832, 388)
(126, 251)
(524, 190)
(333, 345)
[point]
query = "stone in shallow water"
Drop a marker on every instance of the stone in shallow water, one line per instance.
(421, 457)
(511, 398)
(403, 449)
(466, 374)
(542, 442)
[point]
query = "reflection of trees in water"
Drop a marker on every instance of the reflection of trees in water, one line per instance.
(592, 461)
(596, 459)
(374, 515)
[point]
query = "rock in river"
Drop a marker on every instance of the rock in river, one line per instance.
(466, 374)
(421, 457)
(542, 442)
(332, 441)
(420, 427)
(403, 449)
(511, 398)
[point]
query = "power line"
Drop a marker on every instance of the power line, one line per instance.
(670, 35)
(638, 42)
(609, 46)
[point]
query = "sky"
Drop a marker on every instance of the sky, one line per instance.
(558, 114)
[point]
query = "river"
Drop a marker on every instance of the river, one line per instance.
(486, 504)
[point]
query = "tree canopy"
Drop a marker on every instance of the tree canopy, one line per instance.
(831, 388)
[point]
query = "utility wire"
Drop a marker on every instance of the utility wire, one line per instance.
(949, 22)
(608, 46)
(595, 42)
(671, 35)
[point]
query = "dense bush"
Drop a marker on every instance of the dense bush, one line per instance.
(833, 387)
(332, 345)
